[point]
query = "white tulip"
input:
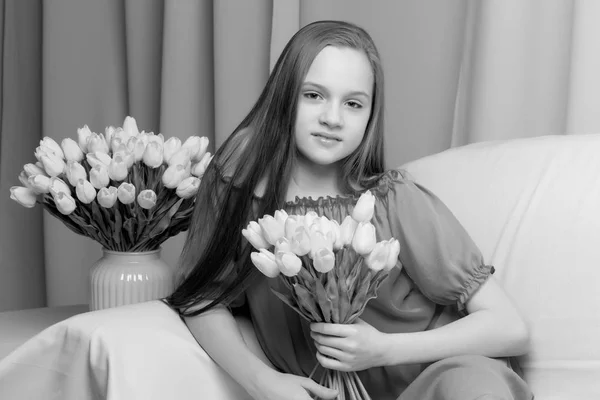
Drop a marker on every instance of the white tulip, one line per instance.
(75, 172)
(71, 150)
(188, 187)
(130, 127)
(85, 191)
(53, 164)
(24, 196)
(57, 185)
(173, 176)
(33, 169)
(107, 196)
(83, 134)
(365, 207)
(99, 176)
(39, 183)
(171, 146)
(53, 146)
(98, 158)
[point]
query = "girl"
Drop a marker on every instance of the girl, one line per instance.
(314, 141)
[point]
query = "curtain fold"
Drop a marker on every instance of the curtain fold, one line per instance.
(457, 72)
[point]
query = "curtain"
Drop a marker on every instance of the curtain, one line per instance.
(457, 72)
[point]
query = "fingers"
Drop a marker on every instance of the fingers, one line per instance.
(333, 341)
(333, 353)
(318, 390)
(342, 330)
(332, 363)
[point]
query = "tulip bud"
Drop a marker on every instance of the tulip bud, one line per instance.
(309, 218)
(201, 152)
(109, 132)
(199, 168)
(53, 146)
(337, 233)
(324, 260)
(137, 147)
(128, 156)
(153, 156)
(289, 264)
(130, 126)
(83, 134)
(53, 165)
(97, 143)
(318, 241)
(394, 248)
(158, 139)
(117, 170)
(253, 233)
(25, 180)
(99, 176)
(171, 147)
(291, 224)
(147, 199)
(107, 197)
(272, 229)
(42, 151)
(33, 169)
(365, 207)
(71, 150)
(300, 242)
(115, 143)
(39, 183)
(75, 172)
(181, 157)
(280, 216)
(347, 230)
(188, 187)
(64, 203)
(265, 262)
(364, 238)
(173, 176)
(57, 185)
(282, 245)
(98, 158)
(24, 196)
(85, 191)
(126, 193)
(377, 259)
(194, 144)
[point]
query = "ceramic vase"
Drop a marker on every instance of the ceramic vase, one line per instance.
(120, 278)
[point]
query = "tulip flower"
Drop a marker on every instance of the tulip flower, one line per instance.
(98, 158)
(309, 218)
(117, 170)
(53, 146)
(115, 143)
(71, 150)
(337, 233)
(392, 260)
(147, 199)
(137, 147)
(107, 197)
(300, 241)
(109, 132)
(364, 238)
(126, 193)
(272, 229)
(280, 216)
(33, 169)
(75, 172)
(265, 262)
(199, 168)
(99, 176)
(171, 147)
(182, 157)
(324, 260)
(83, 134)
(377, 259)
(97, 143)
(282, 245)
(41, 151)
(153, 156)
(292, 223)
(64, 203)
(289, 264)
(128, 156)
(130, 127)
(188, 187)
(25, 180)
(327, 227)
(39, 183)
(197, 146)
(53, 164)
(347, 230)
(253, 233)
(158, 139)
(24, 196)
(318, 241)
(173, 176)
(85, 191)
(57, 185)
(365, 207)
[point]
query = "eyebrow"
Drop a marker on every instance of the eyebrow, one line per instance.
(324, 89)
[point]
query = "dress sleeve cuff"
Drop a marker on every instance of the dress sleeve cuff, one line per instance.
(479, 276)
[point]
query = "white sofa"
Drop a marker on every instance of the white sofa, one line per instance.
(532, 206)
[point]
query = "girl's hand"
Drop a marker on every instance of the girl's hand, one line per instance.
(348, 347)
(279, 386)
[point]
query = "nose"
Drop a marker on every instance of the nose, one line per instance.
(331, 116)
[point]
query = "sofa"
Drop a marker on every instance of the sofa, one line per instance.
(532, 206)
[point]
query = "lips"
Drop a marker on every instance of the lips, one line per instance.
(327, 136)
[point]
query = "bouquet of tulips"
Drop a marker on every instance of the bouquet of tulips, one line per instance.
(128, 190)
(330, 270)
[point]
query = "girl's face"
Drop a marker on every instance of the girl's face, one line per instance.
(334, 105)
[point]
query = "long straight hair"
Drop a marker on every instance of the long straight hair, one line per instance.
(214, 266)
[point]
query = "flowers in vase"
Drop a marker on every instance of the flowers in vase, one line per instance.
(329, 270)
(126, 189)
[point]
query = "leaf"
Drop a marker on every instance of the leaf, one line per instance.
(325, 303)
(64, 219)
(333, 295)
(165, 221)
(116, 234)
(307, 302)
(130, 227)
(289, 300)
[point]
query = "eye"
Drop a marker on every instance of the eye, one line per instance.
(312, 95)
(354, 104)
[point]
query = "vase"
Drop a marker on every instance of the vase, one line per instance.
(120, 278)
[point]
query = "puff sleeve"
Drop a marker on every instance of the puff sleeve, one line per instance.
(436, 251)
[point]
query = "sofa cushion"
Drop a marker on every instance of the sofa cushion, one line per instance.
(533, 207)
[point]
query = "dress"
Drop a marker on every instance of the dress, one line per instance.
(442, 268)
